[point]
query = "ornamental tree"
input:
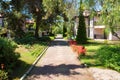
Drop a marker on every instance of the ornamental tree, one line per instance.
(81, 37)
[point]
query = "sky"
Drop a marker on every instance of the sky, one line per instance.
(97, 7)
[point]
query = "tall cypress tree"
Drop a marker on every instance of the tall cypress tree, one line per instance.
(81, 37)
(64, 30)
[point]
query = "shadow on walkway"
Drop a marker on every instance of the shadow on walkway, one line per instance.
(62, 69)
(59, 42)
(59, 63)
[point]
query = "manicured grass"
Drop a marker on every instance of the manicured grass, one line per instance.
(90, 59)
(28, 55)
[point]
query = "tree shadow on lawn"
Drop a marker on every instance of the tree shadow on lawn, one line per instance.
(59, 43)
(95, 43)
(20, 69)
(56, 70)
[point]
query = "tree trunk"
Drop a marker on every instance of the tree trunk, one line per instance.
(37, 27)
(116, 35)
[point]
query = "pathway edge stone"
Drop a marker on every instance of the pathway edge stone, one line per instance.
(34, 63)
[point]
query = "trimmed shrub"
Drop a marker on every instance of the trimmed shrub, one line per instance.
(8, 57)
(26, 40)
(3, 75)
(109, 56)
(45, 38)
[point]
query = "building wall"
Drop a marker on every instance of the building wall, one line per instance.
(112, 37)
(99, 33)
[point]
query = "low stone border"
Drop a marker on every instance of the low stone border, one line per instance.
(34, 63)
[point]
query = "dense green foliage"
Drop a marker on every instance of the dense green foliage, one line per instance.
(7, 55)
(64, 31)
(25, 40)
(110, 15)
(109, 56)
(14, 19)
(81, 37)
(3, 75)
(32, 40)
(45, 39)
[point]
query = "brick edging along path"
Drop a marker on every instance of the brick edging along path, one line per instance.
(59, 63)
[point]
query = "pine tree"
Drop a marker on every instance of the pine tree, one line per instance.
(64, 30)
(81, 32)
(81, 37)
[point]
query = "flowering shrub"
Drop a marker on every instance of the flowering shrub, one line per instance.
(72, 42)
(79, 49)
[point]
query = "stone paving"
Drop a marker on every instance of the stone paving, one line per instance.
(104, 74)
(59, 63)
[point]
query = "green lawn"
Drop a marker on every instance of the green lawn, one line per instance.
(28, 53)
(90, 58)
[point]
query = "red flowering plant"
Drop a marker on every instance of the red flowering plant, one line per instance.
(81, 50)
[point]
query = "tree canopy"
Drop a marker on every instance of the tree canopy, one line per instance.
(110, 15)
(45, 12)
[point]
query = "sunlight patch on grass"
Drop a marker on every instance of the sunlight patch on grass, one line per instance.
(21, 49)
(90, 58)
(25, 54)
(28, 55)
(92, 48)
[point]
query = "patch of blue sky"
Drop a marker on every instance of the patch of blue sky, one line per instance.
(6, 0)
(97, 6)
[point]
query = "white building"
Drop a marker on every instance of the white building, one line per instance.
(93, 30)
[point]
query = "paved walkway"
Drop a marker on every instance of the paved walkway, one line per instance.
(59, 63)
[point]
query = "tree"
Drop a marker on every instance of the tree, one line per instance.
(71, 11)
(64, 30)
(45, 12)
(110, 15)
(81, 37)
(37, 9)
(55, 13)
(12, 11)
